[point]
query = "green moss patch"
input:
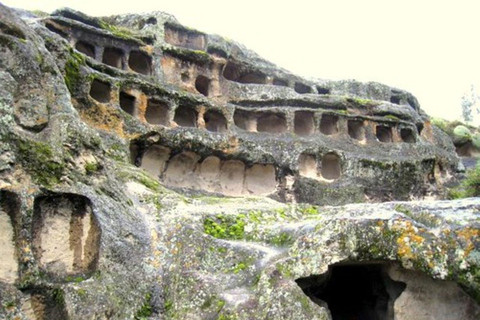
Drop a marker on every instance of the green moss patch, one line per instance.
(226, 227)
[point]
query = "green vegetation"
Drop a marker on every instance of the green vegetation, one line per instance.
(201, 57)
(469, 187)
(145, 310)
(91, 167)
(281, 239)
(72, 70)
(392, 117)
(117, 31)
(38, 159)
(225, 227)
(461, 135)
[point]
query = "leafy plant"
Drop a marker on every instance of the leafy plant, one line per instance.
(469, 187)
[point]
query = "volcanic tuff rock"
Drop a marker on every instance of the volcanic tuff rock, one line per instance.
(149, 170)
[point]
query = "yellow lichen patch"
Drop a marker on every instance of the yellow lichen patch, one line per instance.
(408, 240)
(469, 236)
(142, 102)
(103, 117)
(231, 146)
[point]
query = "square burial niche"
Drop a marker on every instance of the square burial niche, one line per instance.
(302, 88)
(140, 62)
(329, 124)
(407, 135)
(127, 103)
(202, 84)
(215, 121)
(304, 123)
(85, 48)
(185, 117)
(356, 129)
(331, 168)
(100, 91)
(245, 120)
(361, 291)
(271, 122)
(113, 57)
(384, 133)
(157, 112)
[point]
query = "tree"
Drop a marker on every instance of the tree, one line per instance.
(470, 108)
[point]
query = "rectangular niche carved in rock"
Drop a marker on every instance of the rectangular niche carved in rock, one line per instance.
(302, 88)
(384, 133)
(407, 135)
(85, 48)
(100, 91)
(356, 129)
(184, 38)
(66, 235)
(157, 112)
(304, 123)
(113, 57)
(140, 62)
(329, 124)
(127, 103)
(245, 120)
(185, 117)
(272, 123)
(9, 212)
(215, 121)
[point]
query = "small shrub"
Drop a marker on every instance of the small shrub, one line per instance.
(469, 187)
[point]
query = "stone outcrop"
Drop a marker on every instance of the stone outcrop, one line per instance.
(149, 170)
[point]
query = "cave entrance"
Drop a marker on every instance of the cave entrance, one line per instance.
(355, 291)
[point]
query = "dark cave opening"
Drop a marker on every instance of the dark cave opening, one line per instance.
(354, 291)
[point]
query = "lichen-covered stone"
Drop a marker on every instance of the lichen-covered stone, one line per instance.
(150, 170)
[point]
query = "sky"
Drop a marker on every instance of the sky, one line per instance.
(430, 48)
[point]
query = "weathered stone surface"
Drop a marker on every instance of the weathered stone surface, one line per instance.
(149, 170)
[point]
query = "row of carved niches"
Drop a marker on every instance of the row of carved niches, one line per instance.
(65, 235)
(158, 111)
(113, 52)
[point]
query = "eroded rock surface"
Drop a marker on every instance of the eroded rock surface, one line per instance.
(149, 170)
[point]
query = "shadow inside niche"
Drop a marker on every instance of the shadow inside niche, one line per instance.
(354, 291)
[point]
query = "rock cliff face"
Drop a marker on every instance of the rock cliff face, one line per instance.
(149, 170)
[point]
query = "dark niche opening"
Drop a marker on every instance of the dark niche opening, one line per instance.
(100, 91)
(419, 128)
(113, 57)
(140, 62)
(304, 123)
(157, 112)
(322, 90)
(242, 119)
(328, 124)
(464, 150)
(407, 135)
(215, 121)
(302, 88)
(52, 27)
(331, 168)
(280, 82)
(272, 123)
(185, 117)
(231, 72)
(356, 129)
(202, 84)
(184, 38)
(395, 99)
(384, 134)
(256, 78)
(86, 48)
(127, 103)
(354, 291)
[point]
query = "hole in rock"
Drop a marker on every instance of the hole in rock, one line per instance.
(56, 30)
(140, 62)
(260, 179)
(271, 123)
(384, 134)
(329, 124)
(157, 112)
(356, 291)
(407, 135)
(113, 57)
(231, 72)
(302, 88)
(11, 31)
(217, 52)
(356, 129)
(232, 175)
(155, 159)
(395, 99)
(215, 121)
(184, 38)
(465, 150)
(85, 48)
(280, 82)
(185, 117)
(46, 305)
(307, 166)
(256, 78)
(419, 128)
(9, 211)
(202, 84)
(331, 166)
(304, 123)
(322, 90)
(244, 120)
(134, 153)
(151, 20)
(100, 91)
(412, 103)
(185, 77)
(66, 235)
(127, 103)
